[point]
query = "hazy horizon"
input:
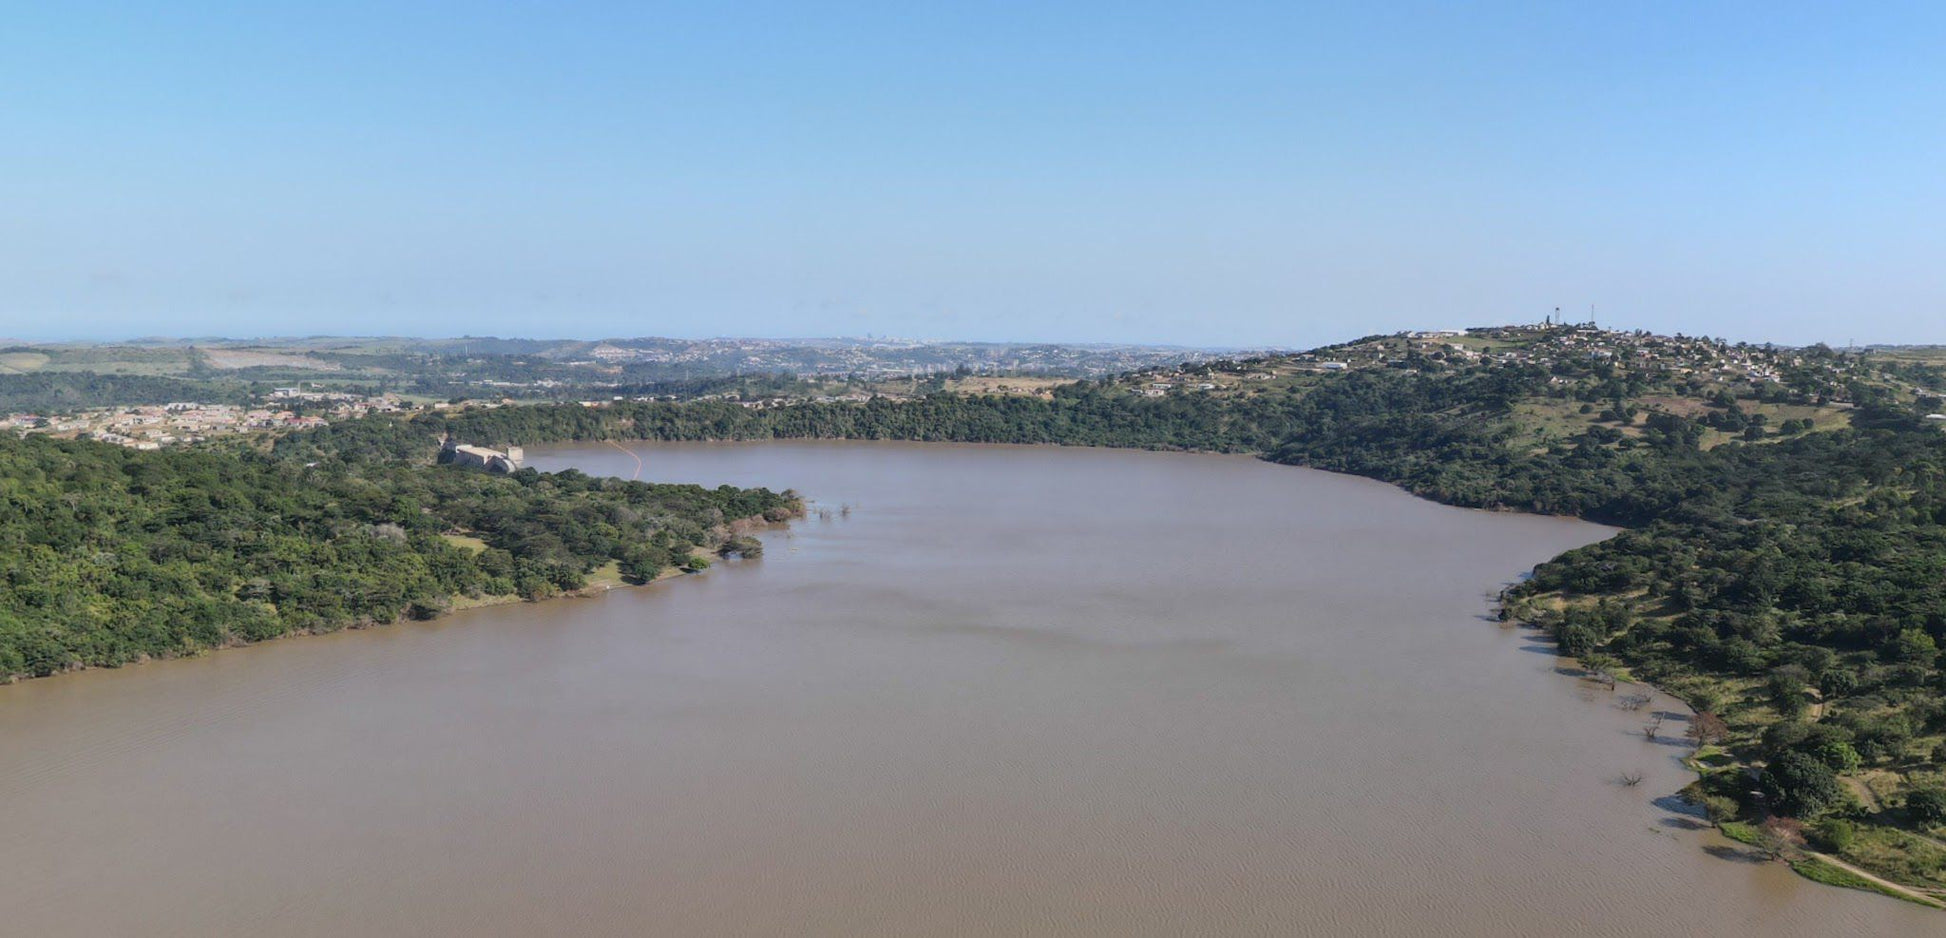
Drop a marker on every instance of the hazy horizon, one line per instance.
(349, 337)
(159, 338)
(1244, 175)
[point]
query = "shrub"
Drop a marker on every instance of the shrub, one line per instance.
(1833, 835)
(1837, 754)
(1800, 785)
(1838, 683)
(1927, 805)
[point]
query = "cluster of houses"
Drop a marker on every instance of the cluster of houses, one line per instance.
(153, 426)
(880, 358)
(1160, 388)
(1548, 345)
(314, 396)
(762, 403)
(768, 403)
(1677, 359)
(1681, 355)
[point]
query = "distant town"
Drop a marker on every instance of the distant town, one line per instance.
(153, 426)
(128, 395)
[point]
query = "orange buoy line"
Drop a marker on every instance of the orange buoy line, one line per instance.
(638, 459)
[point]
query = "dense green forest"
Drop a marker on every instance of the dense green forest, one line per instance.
(65, 392)
(109, 555)
(1789, 583)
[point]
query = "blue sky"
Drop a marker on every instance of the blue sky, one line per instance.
(1210, 174)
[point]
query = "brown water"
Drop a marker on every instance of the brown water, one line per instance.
(1016, 691)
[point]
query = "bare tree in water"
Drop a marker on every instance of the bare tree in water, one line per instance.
(1601, 668)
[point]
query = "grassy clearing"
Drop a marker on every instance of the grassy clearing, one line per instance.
(259, 358)
(1817, 870)
(1550, 419)
(465, 540)
(1822, 418)
(20, 363)
(114, 359)
(1898, 856)
(1555, 419)
(151, 369)
(1923, 354)
(1711, 758)
(606, 576)
(1480, 343)
(475, 602)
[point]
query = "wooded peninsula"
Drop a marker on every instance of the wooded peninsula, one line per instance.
(110, 555)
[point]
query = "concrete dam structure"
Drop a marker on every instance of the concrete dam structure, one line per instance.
(479, 457)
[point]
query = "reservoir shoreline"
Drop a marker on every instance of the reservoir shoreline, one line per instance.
(1020, 690)
(462, 604)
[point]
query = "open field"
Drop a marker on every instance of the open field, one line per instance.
(467, 541)
(257, 358)
(116, 360)
(20, 363)
(1922, 354)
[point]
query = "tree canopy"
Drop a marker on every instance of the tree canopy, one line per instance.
(109, 555)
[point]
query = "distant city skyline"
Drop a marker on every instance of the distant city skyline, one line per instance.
(60, 337)
(1232, 175)
(245, 339)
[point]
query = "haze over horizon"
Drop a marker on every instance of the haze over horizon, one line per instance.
(862, 337)
(1249, 175)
